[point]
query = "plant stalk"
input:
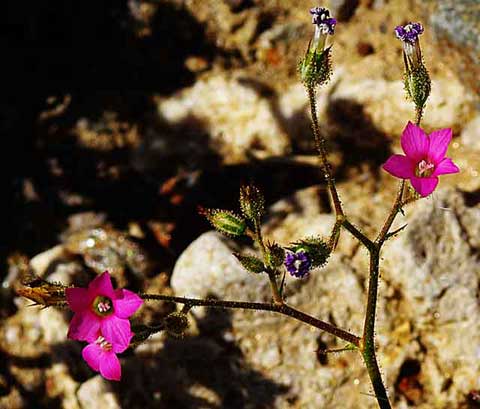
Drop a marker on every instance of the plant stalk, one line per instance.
(283, 309)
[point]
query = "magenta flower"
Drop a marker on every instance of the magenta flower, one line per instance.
(102, 311)
(101, 357)
(424, 158)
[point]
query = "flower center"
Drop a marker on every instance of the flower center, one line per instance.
(424, 169)
(102, 306)
(104, 344)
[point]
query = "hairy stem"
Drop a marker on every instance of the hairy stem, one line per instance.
(272, 277)
(283, 309)
(322, 151)
(368, 338)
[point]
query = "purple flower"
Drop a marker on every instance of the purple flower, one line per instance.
(409, 32)
(321, 18)
(298, 264)
(424, 158)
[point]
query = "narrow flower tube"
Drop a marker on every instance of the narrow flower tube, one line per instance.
(417, 80)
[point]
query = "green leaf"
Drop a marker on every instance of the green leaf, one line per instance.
(250, 263)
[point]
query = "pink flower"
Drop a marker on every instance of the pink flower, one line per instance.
(101, 357)
(424, 158)
(102, 311)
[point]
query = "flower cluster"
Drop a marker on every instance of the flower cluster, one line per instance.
(424, 158)
(101, 319)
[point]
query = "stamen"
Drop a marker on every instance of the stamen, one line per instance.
(424, 168)
(103, 343)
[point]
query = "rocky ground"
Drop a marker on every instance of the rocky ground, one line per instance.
(198, 96)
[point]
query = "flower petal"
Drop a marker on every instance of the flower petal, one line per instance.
(85, 326)
(117, 332)
(102, 285)
(399, 166)
(92, 354)
(445, 167)
(424, 186)
(414, 142)
(77, 299)
(110, 366)
(439, 141)
(126, 303)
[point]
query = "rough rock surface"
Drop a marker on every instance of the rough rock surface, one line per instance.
(457, 29)
(428, 307)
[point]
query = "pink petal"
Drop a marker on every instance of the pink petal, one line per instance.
(102, 285)
(424, 186)
(92, 354)
(399, 166)
(414, 142)
(110, 366)
(445, 167)
(77, 299)
(117, 332)
(126, 303)
(85, 326)
(439, 141)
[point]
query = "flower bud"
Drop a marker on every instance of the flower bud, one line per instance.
(176, 323)
(225, 222)
(417, 81)
(315, 68)
(275, 255)
(252, 202)
(250, 263)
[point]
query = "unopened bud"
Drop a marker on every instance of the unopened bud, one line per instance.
(275, 254)
(225, 222)
(176, 323)
(252, 202)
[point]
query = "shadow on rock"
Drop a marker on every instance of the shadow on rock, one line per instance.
(205, 371)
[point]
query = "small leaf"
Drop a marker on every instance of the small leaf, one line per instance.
(250, 263)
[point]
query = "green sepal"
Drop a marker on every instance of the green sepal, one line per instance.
(250, 263)
(417, 85)
(275, 255)
(316, 67)
(317, 249)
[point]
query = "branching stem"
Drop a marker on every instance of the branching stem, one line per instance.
(283, 309)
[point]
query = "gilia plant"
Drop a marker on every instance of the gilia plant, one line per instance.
(102, 314)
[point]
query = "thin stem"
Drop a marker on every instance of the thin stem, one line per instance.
(361, 237)
(368, 338)
(397, 206)
(320, 145)
(283, 309)
(272, 277)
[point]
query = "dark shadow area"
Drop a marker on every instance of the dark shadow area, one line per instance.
(359, 140)
(208, 363)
